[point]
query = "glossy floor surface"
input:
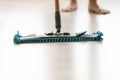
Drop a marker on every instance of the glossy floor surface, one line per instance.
(58, 61)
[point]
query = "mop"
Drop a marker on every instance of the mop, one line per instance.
(58, 36)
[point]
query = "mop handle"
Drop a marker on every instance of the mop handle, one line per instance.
(57, 16)
(57, 9)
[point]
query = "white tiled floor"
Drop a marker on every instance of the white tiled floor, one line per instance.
(58, 61)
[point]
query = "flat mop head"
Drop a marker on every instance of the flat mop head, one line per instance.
(59, 37)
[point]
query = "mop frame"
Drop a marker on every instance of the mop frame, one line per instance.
(18, 39)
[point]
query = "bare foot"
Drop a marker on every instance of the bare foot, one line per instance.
(70, 7)
(97, 10)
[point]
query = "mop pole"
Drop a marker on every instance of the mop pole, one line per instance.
(57, 16)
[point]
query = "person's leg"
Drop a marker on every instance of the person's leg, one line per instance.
(93, 7)
(71, 6)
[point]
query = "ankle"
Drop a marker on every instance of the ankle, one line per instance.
(93, 6)
(74, 2)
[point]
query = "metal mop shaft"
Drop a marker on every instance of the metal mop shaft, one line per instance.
(57, 16)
